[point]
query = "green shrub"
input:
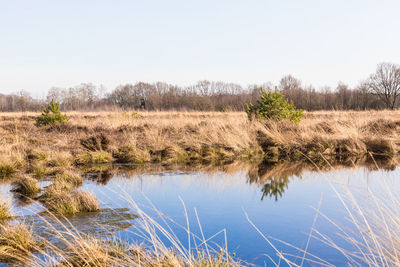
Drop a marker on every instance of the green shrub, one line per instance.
(51, 115)
(273, 106)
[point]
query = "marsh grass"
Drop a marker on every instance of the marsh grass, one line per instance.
(187, 137)
(375, 235)
(69, 177)
(70, 203)
(94, 157)
(16, 243)
(26, 186)
(4, 210)
(6, 170)
(131, 154)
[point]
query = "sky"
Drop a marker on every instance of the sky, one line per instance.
(65, 43)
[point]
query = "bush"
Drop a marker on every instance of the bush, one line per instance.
(273, 106)
(51, 115)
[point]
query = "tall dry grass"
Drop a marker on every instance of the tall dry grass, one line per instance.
(21, 246)
(180, 136)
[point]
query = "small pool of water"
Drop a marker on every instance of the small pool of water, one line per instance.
(281, 201)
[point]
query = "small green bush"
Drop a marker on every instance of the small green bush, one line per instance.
(274, 106)
(51, 115)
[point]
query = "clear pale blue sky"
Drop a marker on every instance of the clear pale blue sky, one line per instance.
(64, 43)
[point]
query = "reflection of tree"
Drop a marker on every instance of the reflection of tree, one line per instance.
(274, 179)
(275, 187)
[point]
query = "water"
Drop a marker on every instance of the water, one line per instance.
(280, 201)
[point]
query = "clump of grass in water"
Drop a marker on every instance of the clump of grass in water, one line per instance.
(70, 203)
(62, 184)
(26, 186)
(69, 177)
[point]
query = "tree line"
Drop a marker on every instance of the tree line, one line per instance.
(379, 91)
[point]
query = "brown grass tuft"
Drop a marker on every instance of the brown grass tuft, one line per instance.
(26, 186)
(16, 243)
(70, 203)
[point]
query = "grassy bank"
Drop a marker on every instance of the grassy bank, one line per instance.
(190, 137)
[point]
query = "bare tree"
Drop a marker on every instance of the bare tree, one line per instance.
(385, 83)
(288, 83)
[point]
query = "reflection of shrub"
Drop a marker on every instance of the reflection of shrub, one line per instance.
(51, 115)
(273, 106)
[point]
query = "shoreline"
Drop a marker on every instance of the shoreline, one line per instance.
(187, 138)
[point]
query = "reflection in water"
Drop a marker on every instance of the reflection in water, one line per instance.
(273, 179)
(219, 193)
(274, 187)
(22, 201)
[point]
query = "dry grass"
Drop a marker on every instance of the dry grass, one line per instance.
(69, 177)
(20, 246)
(16, 243)
(26, 186)
(63, 202)
(187, 137)
(4, 210)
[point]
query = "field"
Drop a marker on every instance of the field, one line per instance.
(194, 137)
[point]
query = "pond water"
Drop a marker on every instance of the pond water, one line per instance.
(279, 200)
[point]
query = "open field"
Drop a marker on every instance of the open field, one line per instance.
(192, 137)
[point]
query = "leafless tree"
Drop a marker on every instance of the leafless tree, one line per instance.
(385, 83)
